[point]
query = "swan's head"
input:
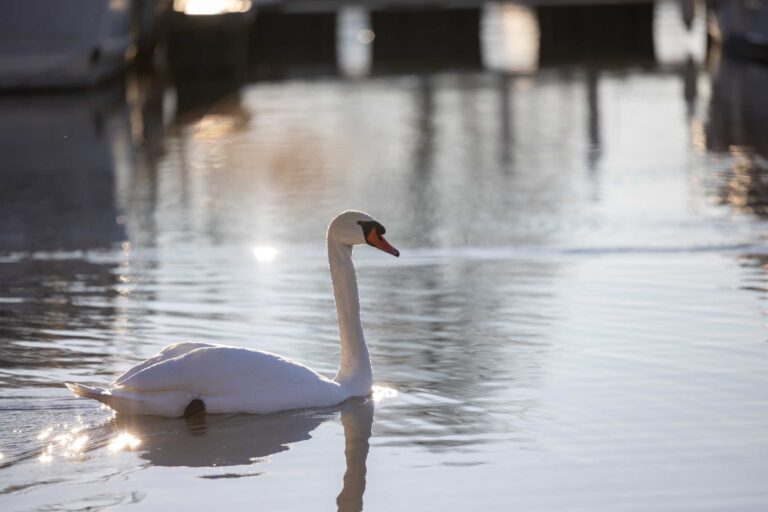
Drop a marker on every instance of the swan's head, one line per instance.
(356, 228)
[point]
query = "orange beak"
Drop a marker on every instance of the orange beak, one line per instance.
(378, 241)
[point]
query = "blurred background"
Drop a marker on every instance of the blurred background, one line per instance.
(121, 93)
(579, 190)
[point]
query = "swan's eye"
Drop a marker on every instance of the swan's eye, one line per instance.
(368, 225)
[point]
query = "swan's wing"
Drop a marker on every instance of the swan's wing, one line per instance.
(220, 370)
(169, 352)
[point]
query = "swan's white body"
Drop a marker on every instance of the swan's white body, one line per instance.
(230, 379)
(226, 379)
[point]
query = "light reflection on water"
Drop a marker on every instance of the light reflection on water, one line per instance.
(124, 441)
(264, 253)
(580, 304)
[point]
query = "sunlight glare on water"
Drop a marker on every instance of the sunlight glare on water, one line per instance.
(63, 441)
(124, 441)
(382, 393)
(264, 253)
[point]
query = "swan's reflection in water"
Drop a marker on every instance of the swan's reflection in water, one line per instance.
(217, 440)
(357, 419)
(239, 439)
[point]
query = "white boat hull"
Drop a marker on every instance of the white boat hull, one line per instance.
(63, 43)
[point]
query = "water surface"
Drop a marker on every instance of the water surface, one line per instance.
(577, 321)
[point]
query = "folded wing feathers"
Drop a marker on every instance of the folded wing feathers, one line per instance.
(169, 352)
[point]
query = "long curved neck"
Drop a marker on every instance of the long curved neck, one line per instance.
(355, 370)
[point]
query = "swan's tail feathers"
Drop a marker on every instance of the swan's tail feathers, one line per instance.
(171, 404)
(100, 394)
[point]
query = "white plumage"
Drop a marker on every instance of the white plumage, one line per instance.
(231, 379)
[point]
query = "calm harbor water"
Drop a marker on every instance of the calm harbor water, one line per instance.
(577, 321)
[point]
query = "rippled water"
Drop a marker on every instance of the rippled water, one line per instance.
(577, 321)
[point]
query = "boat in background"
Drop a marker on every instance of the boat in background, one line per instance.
(69, 43)
(741, 27)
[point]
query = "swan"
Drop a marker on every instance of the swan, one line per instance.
(186, 378)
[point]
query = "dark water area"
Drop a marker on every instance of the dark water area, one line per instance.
(577, 320)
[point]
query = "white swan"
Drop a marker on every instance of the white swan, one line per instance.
(188, 377)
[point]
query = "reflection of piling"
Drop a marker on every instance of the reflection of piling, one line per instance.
(738, 126)
(690, 85)
(146, 21)
(593, 121)
(424, 107)
(593, 106)
(738, 113)
(688, 12)
(506, 115)
(746, 189)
